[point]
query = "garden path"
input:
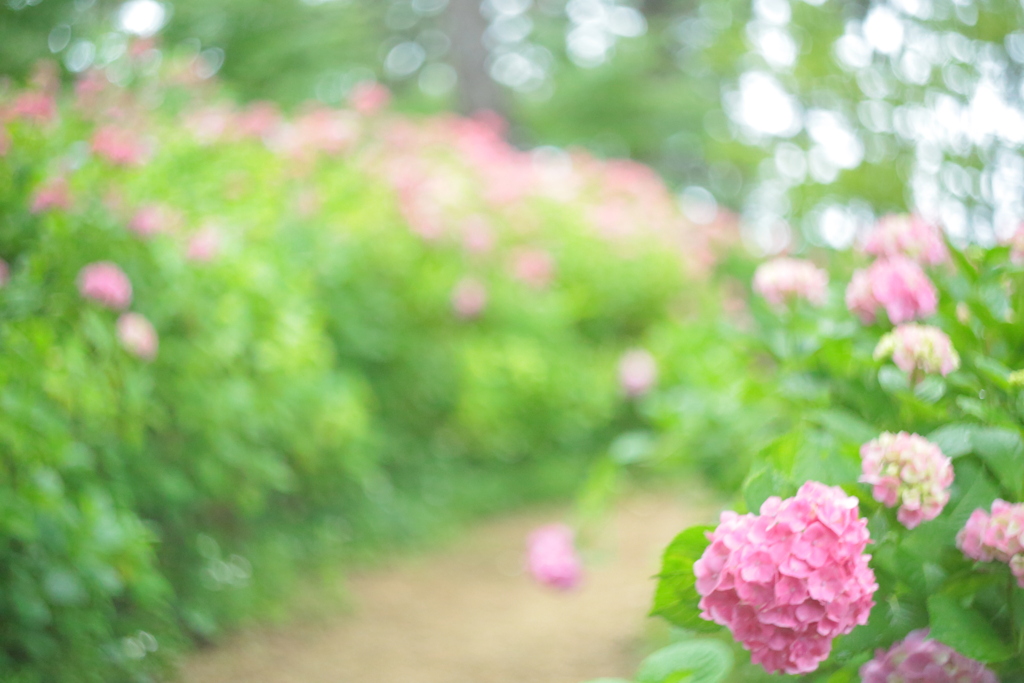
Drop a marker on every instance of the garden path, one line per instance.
(468, 614)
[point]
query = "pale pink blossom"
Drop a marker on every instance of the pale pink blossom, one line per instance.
(910, 236)
(119, 146)
(204, 246)
(896, 284)
(106, 284)
(790, 580)
(369, 97)
(534, 267)
(137, 335)
(909, 471)
(919, 659)
(784, 279)
(638, 371)
(52, 194)
(996, 536)
(477, 235)
(151, 220)
(469, 298)
(922, 348)
(551, 557)
(34, 107)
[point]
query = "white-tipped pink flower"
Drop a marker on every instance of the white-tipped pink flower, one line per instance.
(910, 471)
(137, 336)
(996, 536)
(551, 557)
(638, 372)
(469, 297)
(919, 348)
(910, 236)
(790, 580)
(919, 659)
(534, 267)
(784, 279)
(896, 284)
(204, 246)
(106, 284)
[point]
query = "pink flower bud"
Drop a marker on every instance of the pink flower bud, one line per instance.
(137, 336)
(469, 298)
(551, 557)
(919, 347)
(910, 236)
(910, 470)
(896, 284)
(790, 580)
(638, 371)
(783, 279)
(106, 284)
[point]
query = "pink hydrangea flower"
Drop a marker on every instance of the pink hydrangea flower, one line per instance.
(369, 97)
(896, 284)
(923, 348)
(5, 273)
(204, 245)
(34, 107)
(52, 194)
(535, 267)
(996, 536)
(783, 279)
(119, 146)
(910, 236)
(909, 471)
(105, 283)
(638, 371)
(918, 659)
(469, 298)
(137, 336)
(551, 557)
(790, 580)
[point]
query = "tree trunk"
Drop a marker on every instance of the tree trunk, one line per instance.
(477, 90)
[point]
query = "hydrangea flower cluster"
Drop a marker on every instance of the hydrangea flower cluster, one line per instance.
(996, 536)
(908, 470)
(551, 557)
(918, 659)
(784, 278)
(106, 284)
(638, 371)
(923, 348)
(911, 236)
(896, 284)
(790, 580)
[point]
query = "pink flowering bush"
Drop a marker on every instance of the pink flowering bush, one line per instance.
(897, 285)
(783, 279)
(998, 536)
(551, 557)
(918, 348)
(137, 335)
(910, 236)
(788, 581)
(919, 659)
(638, 372)
(106, 284)
(909, 471)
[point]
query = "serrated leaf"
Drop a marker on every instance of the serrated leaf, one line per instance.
(676, 598)
(965, 630)
(953, 439)
(1003, 451)
(693, 661)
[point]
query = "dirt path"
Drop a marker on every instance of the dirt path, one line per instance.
(468, 613)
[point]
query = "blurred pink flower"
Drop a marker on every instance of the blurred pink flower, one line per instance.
(919, 347)
(152, 219)
(534, 267)
(551, 557)
(784, 279)
(469, 298)
(5, 273)
(119, 146)
(52, 194)
(369, 97)
(996, 536)
(910, 236)
(788, 581)
(918, 659)
(137, 335)
(477, 235)
(909, 471)
(257, 121)
(204, 246)
(106, 284)
(638, 371)
(896, 284)
(34, 107)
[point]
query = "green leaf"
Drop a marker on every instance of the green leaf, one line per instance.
(845, 425)
(930, 389)
(965, 630)
(992, 370)
(763, 483)
(1003, 451)
(953, 439)
(892, 379)
(676, 598)
(693, 661)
